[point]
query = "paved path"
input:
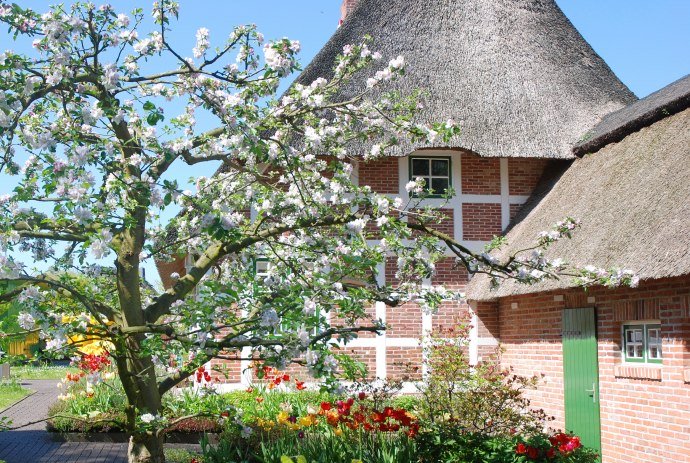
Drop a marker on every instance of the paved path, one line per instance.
(33, 444)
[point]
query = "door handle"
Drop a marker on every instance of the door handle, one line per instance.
(593, 391)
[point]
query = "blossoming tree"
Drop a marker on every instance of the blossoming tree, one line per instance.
(98, 121)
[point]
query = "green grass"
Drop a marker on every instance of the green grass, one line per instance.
(11, 392)
(177, 455)
(40, 372)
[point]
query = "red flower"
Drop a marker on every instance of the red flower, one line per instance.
(249, 390)
(225, 414)
(286, 377)
(378, 417)
(300, 385)
(362, 396)
(551, 453)
(325, 406)
(532, 453)
(521, 449)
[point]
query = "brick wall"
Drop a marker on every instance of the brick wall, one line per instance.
(523, 174)
(381, 175)
(480, 176)
(165, 269)
(481, 221)
(645, 409)
(346, 7)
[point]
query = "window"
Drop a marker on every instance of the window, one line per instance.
(642, 342)
(435, 171)
(261, 267)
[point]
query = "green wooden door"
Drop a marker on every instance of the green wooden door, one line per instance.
(581, 376)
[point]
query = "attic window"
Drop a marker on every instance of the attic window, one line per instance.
(642, 342)
(434, 170)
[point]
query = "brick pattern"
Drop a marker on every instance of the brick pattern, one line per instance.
(449, 315)
(404, 363)
(346, 7)
(445, 225)
(165, 269)
(481, 222)
(480, 176)
(381, 175)
(645, 409)
(450, 273)
(524, 174)
(405, 321)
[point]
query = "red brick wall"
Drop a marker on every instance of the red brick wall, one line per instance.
(346, 7)
(381, 175)
(480, 222)
(643, 420)
(405, 321)
(523, 174)
(165, 269)
(450, 274)
(404, 363)
(480, 176)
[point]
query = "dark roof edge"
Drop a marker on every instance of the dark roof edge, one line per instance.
(663, 103)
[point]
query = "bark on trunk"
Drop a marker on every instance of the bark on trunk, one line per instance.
(145, 449)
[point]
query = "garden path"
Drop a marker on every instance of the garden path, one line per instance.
(33, 444)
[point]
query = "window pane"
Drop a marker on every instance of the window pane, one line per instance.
(654, 352)
(653, 335)
(420, 167)
(630, 351)
(638, 350)
(439, 185)
(439, 167)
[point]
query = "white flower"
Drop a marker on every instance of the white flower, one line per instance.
(26, 321)
(29, 293)
(357, 225)
(270, 319)
(309, 307)
(148, 418)
(122, 20)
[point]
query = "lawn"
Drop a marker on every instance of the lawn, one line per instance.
(40, 372)
(11, 392)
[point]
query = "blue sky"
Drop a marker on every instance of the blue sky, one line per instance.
(646, 43)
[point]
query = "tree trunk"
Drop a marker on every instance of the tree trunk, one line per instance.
(145, 448)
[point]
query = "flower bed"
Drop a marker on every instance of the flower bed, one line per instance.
(486, 420)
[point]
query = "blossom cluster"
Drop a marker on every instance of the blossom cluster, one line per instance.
(560, 444)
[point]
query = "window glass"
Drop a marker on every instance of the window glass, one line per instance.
(434, 171)
(420, 167)
(642, 342)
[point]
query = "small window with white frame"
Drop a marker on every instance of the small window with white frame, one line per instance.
(436, 172)
(642, 342)
(261, 267)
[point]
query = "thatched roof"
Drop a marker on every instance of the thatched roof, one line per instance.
(516, 74)
(615, 126)
(633, 198)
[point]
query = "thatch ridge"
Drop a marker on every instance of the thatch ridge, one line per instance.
(516, 74)
(633, 198)
(670, 100)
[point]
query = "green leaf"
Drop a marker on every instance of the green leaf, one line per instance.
(148, 106)
(286, 459)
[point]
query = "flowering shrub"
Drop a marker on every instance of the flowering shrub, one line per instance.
(483, 398)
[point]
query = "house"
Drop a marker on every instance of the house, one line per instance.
(616, 361)
(547, 131)
(524, 86)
